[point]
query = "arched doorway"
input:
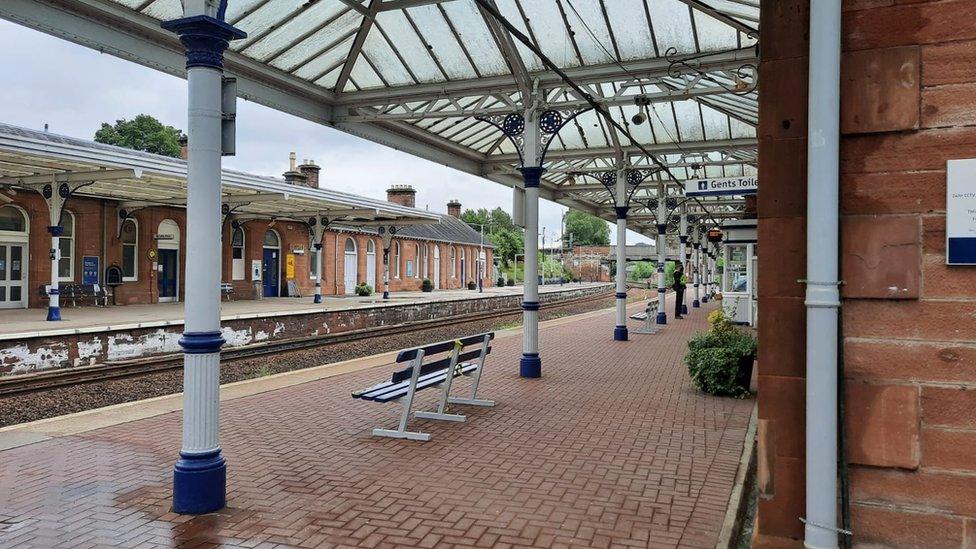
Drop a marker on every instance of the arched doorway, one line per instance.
(168, 246)
(14, 239)
(371, 263)
(351, 271)
(271, 264)
(437, 267)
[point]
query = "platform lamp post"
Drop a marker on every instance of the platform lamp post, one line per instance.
(200, 474)
(531, 132)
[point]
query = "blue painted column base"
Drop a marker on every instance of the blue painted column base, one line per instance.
(54, 313)
(695, 304)
(386, 295)
(317, 298)
(199, 483)
(530, 365)
(684, 309)
(662, 317)
(705, 298)
(620, 333)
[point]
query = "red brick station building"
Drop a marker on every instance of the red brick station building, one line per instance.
(263, 256)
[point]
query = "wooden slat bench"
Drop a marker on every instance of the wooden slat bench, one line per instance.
(419, 375)
(73, 293)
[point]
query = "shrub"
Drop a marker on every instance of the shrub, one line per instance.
(720, 360)
(363, 289)
(427, 285)
(511, 282)
(472, 285)
(500, 282)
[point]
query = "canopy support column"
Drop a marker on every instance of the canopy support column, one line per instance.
(696, 260)
(683, 255)
(318, 233)
(531, 363)
(621, 195)
(387, 234)
(200, 474)
(53, 294)
(822, 292)
(662, 244)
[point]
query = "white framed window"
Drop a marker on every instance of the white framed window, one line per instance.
(237, 254)
(396, 260)
(425, 264)
(313, 263)
(416, 254)
(66, 246)
(453, 262)
(130, 250)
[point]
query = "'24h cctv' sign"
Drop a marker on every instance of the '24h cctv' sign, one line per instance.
(722, 186)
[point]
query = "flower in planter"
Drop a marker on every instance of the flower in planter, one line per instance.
(427, 285)
(720, 360)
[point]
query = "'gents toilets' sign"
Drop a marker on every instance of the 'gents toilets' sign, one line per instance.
(722, 186)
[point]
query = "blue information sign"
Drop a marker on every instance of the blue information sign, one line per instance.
(89, 269)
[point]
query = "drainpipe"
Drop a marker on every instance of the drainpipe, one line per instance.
(822, 294)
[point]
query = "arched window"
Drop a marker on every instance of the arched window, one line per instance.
(271, 239)
(350, 246)
(130, 248)
(396, 260)
(416, 254)
(370, 247)
(11, 219)
(426, 271)
(66, 245)
(453, 262)
(237, 253)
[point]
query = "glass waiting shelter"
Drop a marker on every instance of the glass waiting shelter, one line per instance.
(739, 253)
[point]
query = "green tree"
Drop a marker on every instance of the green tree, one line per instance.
(142, 133)
(587, 230)
(642, 271)
(499, 229)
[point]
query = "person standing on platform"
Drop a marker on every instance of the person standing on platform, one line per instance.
(679, 284)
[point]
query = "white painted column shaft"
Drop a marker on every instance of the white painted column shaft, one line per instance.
(201, 371)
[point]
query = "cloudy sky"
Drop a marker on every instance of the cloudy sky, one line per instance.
(74, 89)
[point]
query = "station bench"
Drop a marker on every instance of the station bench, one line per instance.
(444, 362)
(226, 290)
(70, 291)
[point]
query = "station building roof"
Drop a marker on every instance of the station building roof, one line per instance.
(421, 75)
(141, 179)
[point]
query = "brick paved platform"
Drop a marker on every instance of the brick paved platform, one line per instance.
(612, 447)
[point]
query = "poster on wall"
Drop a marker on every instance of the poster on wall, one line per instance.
(961, 212)
(289, 265)
(89, 269)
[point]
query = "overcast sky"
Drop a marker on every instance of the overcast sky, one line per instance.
(74, 89)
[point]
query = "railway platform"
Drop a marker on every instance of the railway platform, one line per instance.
(95, 335)
(611, 447)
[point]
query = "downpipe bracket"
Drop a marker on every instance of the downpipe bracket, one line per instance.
(822, 294)
(825, 527)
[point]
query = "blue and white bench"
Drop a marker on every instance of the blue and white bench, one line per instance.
(432, 366)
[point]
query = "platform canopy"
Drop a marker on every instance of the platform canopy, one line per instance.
(137, 179)
(416, 75)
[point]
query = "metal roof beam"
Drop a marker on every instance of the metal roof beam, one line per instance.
(743, 143)
(626, 70)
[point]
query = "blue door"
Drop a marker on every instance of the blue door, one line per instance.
(271, 271)
(168, 269)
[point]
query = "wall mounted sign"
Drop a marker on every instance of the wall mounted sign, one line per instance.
(722, 186)
(961, 212)
(151, 254)
(289, 265)
(89, 269)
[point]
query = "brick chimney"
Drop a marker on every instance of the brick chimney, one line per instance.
(293, 176)
(311, 172)
(404, 195)
(454, 209)
(183, 142)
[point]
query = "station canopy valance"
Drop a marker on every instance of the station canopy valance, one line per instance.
(138, 179)
(416, 75)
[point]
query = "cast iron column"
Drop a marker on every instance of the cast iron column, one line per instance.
(200, 475)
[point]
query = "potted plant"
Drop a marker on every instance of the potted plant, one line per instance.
(500, 282)
(472, 285)
(720, 360)
(511, 282)
(364, 290)
(426, 285)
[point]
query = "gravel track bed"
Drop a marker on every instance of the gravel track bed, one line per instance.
(66, 400)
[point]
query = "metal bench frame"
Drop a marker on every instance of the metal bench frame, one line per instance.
(454, 369)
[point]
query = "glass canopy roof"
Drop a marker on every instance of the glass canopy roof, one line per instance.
(420, 74)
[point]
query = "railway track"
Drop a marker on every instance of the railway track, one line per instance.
(31, 383)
